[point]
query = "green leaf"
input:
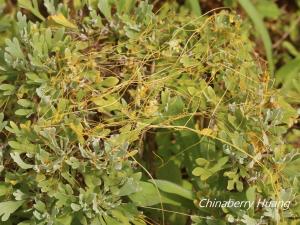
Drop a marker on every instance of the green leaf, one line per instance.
(109, 104)
(248, 220)
(261, 29)
(78, 129)
(62, 20)
(291, 48)
(250, 194)
(172, 188)
(239, 185)
(201, 161)
(25, 103)
(292, 168)
(210, 95)
(24, 112)
(110, 82)
(105, 8)
(75, 207)
(131, 186)
(33, 7)
(230, 185)
(120, 217)
(147, 196)
(188, 61)
(13, 128)
(21, 148)
(288, 71)
(64, 220)
(4, 189)
(195, 7)
(14, 48)
(219, 165)
(49, 4)
(17, 159)
(204, 174)
(268, 8)
(34, 77)
(7, 87)
(150, 195)
(27, 222)
(2, 122)
(124, 6)
(9, 207)
(111, 221)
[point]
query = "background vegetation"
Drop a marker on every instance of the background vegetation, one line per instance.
(131, 112)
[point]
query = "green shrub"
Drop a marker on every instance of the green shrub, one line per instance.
(83, 88)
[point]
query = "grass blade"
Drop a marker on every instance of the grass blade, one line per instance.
(261, 29)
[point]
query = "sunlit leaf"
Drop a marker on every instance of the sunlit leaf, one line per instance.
(62, 20)
(9, 207)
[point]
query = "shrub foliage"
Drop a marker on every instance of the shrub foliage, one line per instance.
(112, 114)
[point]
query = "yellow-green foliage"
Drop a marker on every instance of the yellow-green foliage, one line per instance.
(81, 90)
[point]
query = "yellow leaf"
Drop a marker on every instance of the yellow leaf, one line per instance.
(13, 182)
(132, 153)
(78, 131)
(206, 132)
(256, 141)
(62, 20)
